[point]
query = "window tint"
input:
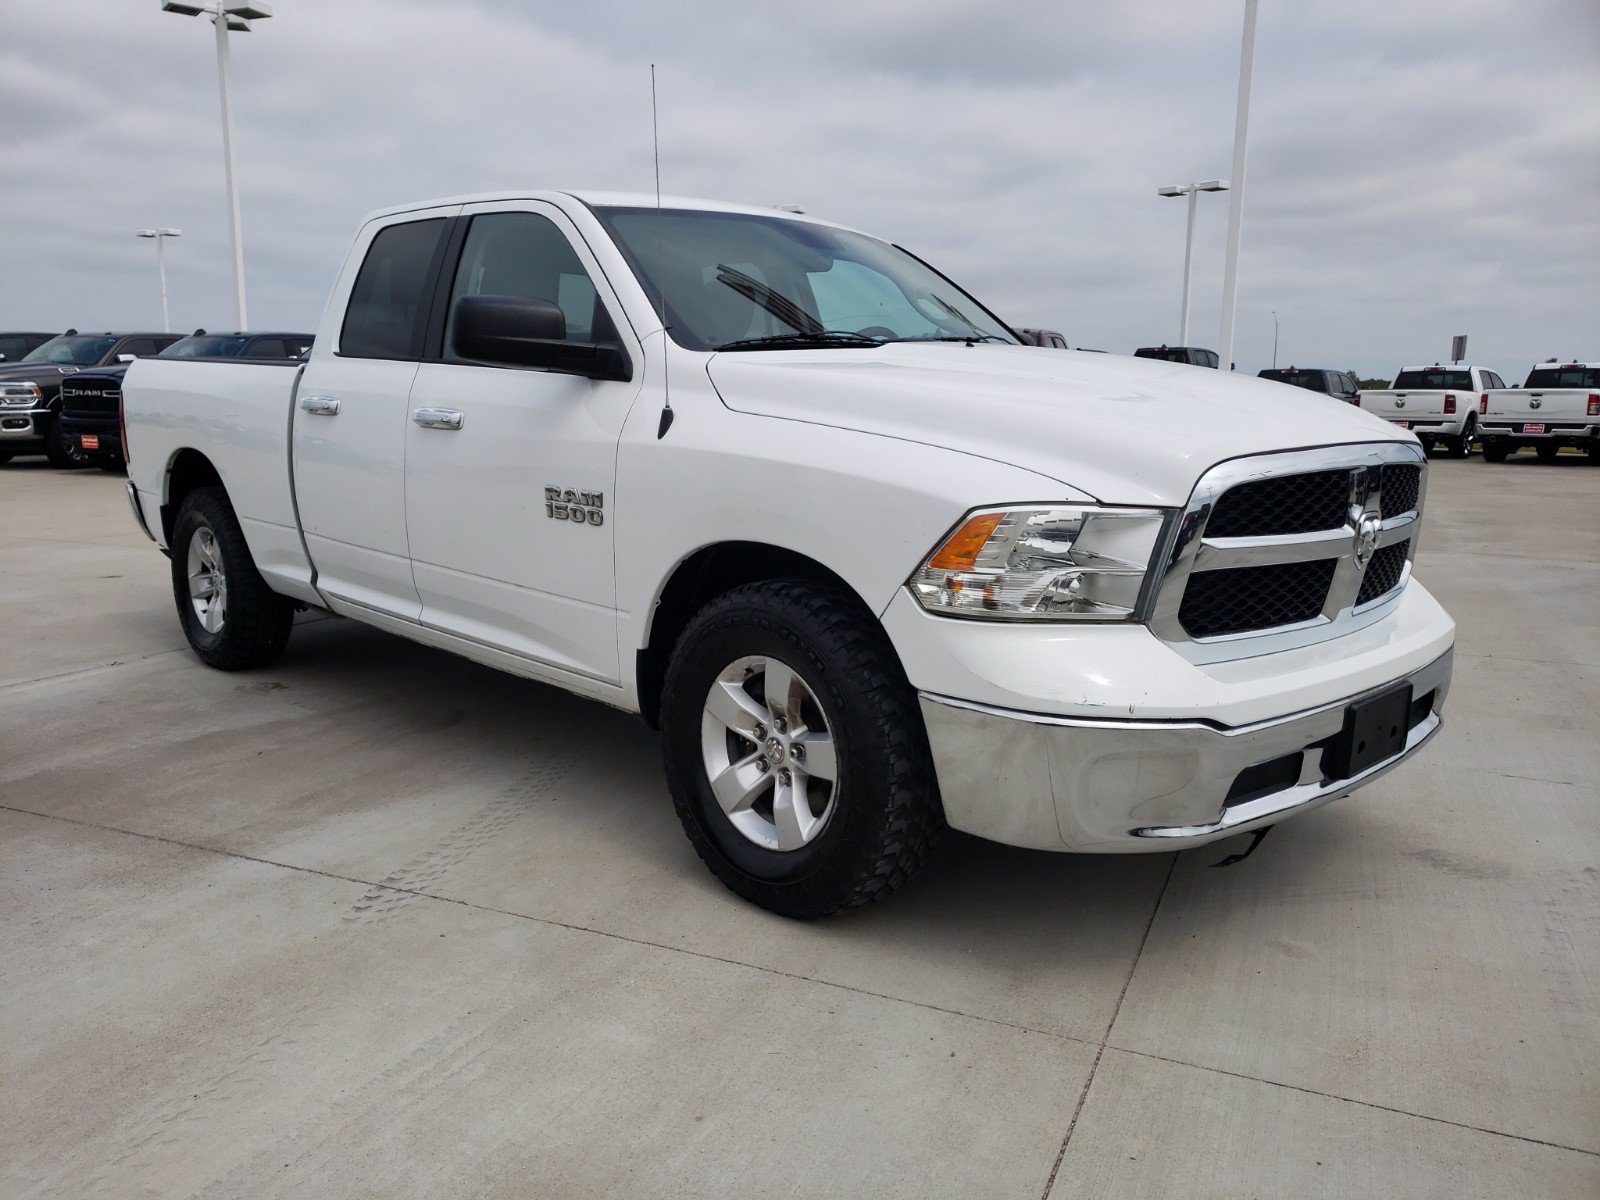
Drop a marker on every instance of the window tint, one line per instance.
(138, 347)
(83, 350)
(525, 255)
(1434, 379)
(297, 346)
(266, 348)
(388, 304)
(1563, 377)
(14, 348)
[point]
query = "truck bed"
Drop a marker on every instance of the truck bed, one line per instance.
(236, 413)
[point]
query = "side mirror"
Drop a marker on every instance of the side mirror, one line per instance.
(126, 358)
(531, 333)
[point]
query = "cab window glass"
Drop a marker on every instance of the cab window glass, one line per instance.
(138, 347)
(851, 295)
(265, 348)
(388, 304)
(526, 256)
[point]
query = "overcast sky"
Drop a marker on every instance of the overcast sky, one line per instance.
(1418, 168)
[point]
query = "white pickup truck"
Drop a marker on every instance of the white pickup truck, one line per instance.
(872, 567)
(1438, 404)
(1557, 405)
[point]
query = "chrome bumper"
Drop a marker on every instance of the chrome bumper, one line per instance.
(21, 424)
(1110, 786)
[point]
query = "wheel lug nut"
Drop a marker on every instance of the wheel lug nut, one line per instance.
(779, 724)
(785, 778)
(797, 752)
(759, 733)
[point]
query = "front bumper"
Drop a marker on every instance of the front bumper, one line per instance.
(1104, 785)
(22, 425)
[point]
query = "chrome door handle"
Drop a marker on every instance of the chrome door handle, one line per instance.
(322, 406)
(438, 418)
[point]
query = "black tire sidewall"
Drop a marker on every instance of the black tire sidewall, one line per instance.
(712, 651)
(59, 449)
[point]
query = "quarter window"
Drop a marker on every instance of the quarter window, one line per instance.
(388, 304)
(524, 255)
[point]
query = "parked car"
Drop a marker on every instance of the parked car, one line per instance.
(1043, 337)
(870, 566)
(91, 401)
(1192, 355)
(1337, 384)
(30, 390)
(1557, 405)
(1438, 404)
(15, 345)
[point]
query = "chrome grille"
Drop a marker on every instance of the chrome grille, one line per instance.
(1288, 549)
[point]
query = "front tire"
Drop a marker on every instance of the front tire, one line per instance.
(62, 450)
(795, 750)
(232, 619)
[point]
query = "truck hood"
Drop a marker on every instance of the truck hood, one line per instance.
(38, 371)
(1124, 430)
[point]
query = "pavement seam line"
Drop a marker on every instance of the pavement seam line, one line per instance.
(553, 923)
(1083, 1096)
(1388, 1108)
(105, 666)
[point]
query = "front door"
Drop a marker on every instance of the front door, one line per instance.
(510, 470)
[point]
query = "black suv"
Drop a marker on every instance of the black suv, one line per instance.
(91, 401)
(30, 390)
(14, 345)
(1337, 384)
(1192, 355)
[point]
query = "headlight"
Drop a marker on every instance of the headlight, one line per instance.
(19, 395)
(1068, 562)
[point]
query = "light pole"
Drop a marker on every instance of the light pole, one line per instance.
(1274, 339)
(1241, 124)
(161, 236)
(225, 17)
(1192, 191)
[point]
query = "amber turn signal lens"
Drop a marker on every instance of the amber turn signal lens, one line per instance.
(961, 548)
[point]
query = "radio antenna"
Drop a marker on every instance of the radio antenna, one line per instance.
(661, 265)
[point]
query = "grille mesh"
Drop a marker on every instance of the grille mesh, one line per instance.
(90, 399)
(1383, 572)
(1285, 504)
(1399, 484)
(1238, 599)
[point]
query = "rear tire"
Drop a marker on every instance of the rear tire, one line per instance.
(1461, 447)
(6, 456)
(861, 834)
(232, 619)
(110, 464)
(1547, 451)
(1593, 451)
(1495, 452)
(62, 450)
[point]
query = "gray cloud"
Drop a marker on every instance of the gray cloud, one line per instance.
(1417, 168)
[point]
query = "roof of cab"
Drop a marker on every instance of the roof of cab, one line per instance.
(600, 199)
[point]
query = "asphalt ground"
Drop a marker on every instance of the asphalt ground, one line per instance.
(381, 922)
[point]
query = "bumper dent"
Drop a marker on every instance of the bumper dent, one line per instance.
(1119, 786)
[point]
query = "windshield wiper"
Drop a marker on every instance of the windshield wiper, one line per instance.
(977, 335)
(801, 341)
(780, 306)
(958, 337)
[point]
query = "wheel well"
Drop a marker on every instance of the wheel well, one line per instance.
(189, 470)
(702, 577)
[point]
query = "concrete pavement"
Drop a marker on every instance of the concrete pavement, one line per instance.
(381, 922)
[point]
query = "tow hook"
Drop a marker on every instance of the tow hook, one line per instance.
(1259, 837)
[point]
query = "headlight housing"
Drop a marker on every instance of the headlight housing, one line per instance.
(19, 395)
(1070, 562)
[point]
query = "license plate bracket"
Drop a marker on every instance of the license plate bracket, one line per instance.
(1533, 427)
(91, 441)
(1374, 729)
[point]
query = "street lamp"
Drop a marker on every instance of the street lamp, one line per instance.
(1274, 339)
(236, 17)
(1192, 191)
(161, 236)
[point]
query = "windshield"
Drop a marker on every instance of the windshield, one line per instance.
(213, 346)
(1437, 379)
(1564, 377)
(737, 280)
(78, 351)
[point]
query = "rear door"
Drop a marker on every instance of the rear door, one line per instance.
(510, 471)
(350, 422)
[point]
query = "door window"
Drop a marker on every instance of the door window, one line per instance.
(388, 304)
(138, 347)
(266, 348)
(524, 255)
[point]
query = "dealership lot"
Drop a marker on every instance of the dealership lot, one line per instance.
(380, 921)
